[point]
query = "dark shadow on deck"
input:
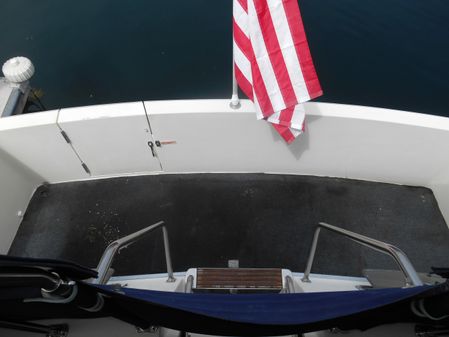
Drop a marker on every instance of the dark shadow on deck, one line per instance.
(262, 220)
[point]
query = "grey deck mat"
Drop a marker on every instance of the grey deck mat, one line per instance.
(261, 220)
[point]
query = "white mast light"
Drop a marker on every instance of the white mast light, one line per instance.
(18, 69)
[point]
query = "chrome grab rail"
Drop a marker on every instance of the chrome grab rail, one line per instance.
(106, 260)
(411, 276)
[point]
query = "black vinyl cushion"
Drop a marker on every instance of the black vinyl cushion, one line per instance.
(64, 268)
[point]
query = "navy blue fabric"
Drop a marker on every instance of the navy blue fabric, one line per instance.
(276, 309)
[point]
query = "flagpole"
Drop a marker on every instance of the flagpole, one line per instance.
(235, 101)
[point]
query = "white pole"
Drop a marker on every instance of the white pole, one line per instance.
(235, 101)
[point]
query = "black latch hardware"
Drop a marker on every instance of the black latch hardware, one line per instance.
(151, 145)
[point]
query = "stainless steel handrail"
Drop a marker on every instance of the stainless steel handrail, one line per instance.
(411, 276)
(106, 260)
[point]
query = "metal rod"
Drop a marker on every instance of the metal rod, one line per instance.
(108, 256)
(235, 101)
(167, 256)
(311, 255)
(401, 259)
(12, 103)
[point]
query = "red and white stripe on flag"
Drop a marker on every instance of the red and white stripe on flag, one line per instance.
(272, 61)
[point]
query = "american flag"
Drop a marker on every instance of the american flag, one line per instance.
(272, 62)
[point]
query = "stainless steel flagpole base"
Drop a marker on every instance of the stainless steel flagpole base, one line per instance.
(235, 102)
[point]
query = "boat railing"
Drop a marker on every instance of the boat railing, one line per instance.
(104, 266)
(411, 276)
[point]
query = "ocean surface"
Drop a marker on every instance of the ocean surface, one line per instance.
(385, 53)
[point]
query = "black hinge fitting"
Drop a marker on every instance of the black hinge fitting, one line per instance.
(85, 168)
(66, 137)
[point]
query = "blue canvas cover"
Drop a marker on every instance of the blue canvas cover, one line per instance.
(271, 314)
(277, 309)
(208, 313)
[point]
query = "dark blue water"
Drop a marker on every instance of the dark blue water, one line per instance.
(387, 53)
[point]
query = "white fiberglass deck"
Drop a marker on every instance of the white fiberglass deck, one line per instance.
(207, 136)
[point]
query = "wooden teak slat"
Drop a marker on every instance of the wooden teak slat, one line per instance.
(238, 278)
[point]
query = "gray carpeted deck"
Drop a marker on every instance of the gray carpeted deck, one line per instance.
(261, 220)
